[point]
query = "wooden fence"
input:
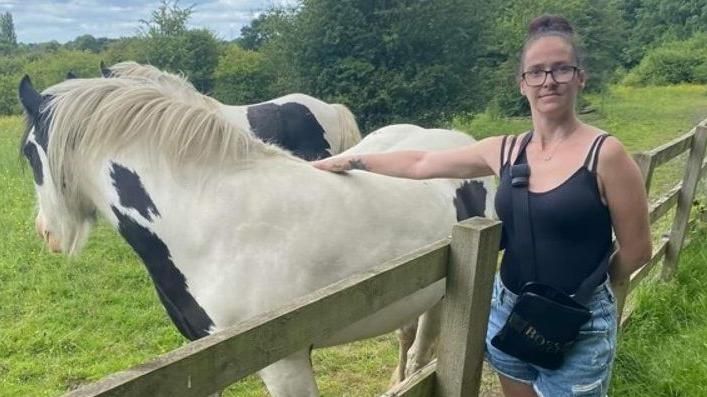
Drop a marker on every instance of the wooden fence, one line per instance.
(681, 196)
(468, 262)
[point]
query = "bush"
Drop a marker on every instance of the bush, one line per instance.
(193, 53)
(53, 67)
(9, 104)
(672, 63)
(700, 73)
(242, 77)
(126, 49)
(45, 70)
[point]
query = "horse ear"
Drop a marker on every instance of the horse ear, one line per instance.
(105, 71)
(29, 97)
(70, 75)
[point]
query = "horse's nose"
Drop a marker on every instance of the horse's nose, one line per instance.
(52, 242)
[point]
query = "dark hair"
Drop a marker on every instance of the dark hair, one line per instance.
(550, 25)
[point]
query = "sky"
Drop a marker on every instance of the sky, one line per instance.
(63, 20)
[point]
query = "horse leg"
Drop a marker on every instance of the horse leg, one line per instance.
(292, 376)
(425, 345)
(406, 336)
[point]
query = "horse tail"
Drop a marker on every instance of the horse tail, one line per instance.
(350, 134)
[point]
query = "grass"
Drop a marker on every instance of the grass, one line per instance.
(64, 322)
(662, 351)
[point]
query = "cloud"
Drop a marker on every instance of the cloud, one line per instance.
(64, 20)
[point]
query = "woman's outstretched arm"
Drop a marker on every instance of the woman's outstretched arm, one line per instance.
(478, 159)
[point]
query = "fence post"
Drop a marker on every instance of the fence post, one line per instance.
(685, 198)
(472, 265)
(645, 164)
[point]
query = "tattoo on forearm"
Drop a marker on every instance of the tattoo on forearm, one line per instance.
(357, 164)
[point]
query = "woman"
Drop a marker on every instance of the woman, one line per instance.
(583, 183)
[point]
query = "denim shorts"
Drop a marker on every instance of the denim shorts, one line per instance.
(587, 367)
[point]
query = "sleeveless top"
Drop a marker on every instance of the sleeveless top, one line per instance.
(570, 224)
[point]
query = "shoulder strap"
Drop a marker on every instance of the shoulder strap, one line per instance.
(594, 151)
(512, 146)
(503, 152)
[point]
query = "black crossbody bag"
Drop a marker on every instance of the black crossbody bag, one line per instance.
(544, 322)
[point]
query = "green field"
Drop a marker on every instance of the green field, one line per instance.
(663, 348)
(64, 322)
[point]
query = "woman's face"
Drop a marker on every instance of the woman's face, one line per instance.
(548, 95)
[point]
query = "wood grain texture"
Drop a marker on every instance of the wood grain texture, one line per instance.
(473, 256)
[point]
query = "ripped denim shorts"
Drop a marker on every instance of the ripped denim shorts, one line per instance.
(587, 368)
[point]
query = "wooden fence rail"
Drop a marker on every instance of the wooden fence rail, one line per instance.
(680, 197)
(208, 365)
(467, 262)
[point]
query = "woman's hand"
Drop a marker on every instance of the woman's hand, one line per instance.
(341, 164)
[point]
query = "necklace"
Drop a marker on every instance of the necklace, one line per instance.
(548, 157)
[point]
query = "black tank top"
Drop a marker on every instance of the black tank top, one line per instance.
(571, 226)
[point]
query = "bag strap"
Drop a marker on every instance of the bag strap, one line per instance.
(586, 289)
(520, 178)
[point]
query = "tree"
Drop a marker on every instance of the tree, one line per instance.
(390, 61)
(168, 20)
(126, 49)
(243, 77)
(169, 45)
(8, 38)
(265, 28)
(654, 22)
(87, 42)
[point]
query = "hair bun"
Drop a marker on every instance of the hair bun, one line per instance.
(550, 23)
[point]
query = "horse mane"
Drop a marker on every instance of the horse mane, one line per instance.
(350, 133)
(179, 84)
(91, 118)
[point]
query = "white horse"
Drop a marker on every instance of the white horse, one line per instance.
(394, 137)
(304, 125)
(264, 227)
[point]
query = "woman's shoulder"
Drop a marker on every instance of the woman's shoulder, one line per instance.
(612, 154)
(610, 144)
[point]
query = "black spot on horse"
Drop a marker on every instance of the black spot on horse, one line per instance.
(131, 191)
(32, 154)
(186, 314)
(470, 200)
(291, 126)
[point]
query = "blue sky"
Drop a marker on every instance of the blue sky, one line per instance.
(63, 20)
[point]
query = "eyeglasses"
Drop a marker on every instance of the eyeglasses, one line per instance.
(562, 74)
